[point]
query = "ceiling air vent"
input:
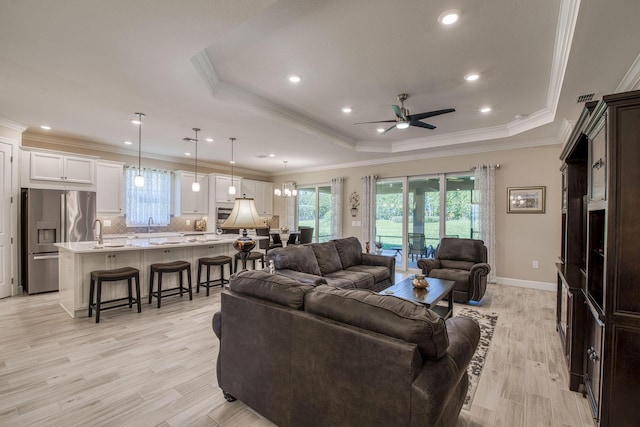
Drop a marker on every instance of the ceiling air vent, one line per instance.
(261, 156)
(585, 98)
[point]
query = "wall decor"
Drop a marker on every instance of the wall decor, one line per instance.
(525, 199)
(354, 202)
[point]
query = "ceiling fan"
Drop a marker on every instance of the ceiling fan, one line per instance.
(403, 119)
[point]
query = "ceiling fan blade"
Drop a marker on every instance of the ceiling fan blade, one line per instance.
(421, 125)
(379, 121)
(388, 129)
(398, 111)
(431, 114)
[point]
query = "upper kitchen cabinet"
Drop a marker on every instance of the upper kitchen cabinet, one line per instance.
(109, 187)
(50, 169)
(261, 192)
(222, 184)
(187, 201)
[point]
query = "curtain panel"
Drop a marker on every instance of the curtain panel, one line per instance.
(484, 185)
(368, 209)
(337, 195)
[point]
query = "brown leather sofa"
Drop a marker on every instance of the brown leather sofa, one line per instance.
(338, 262)
(463, 261)
(307, 355)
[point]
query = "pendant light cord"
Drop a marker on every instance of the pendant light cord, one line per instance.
(140, 116)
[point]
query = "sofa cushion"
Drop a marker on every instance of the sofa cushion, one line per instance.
(274, 288)
(327, 257)
(378, 272)
(350, 251)
(298, 258)
(384, 314)
(471, 250)
(458, 265)
(340, 282)
(360, 280)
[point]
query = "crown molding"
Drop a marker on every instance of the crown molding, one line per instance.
(104, 148)
(631, 80)
(12, 125)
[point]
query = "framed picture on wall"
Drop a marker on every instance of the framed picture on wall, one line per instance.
(525, 199)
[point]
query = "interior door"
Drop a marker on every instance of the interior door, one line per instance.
(5, 220)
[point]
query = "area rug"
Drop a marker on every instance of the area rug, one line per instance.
(487, 322)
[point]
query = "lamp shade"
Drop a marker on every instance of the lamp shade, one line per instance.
(244, 215)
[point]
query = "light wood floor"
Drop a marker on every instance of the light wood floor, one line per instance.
(157, 368)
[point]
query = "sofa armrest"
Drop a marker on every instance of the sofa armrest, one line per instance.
(428, 264)
(438, 379)
(479, 270)
(381, 260)
(216, 324)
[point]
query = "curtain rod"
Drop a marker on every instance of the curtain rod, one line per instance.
(497, 166)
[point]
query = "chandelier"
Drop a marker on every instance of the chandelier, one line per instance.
(288, 188)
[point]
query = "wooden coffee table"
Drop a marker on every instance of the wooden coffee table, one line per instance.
(438, 290)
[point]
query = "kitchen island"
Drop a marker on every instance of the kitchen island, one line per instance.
(78, 259)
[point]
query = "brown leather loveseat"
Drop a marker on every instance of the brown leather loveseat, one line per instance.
(316, 355)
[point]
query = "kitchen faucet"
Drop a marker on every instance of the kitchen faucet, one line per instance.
(149, 224)
(99, 233)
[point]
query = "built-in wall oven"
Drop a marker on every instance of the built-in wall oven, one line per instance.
(222, 213)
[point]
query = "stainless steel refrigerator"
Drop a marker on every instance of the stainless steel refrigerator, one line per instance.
(48, 217)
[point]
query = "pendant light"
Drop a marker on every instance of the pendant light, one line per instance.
(139, 179)
(288, 190)
(232, 188)
(195, 187)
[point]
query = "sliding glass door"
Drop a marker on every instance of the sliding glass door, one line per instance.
(314, 210)
(410, 224)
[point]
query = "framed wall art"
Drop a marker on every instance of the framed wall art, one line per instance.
(525, 199)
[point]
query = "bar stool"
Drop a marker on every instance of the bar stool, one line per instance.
(169, 267)
(253, 256)
(220, 260)
(99, 276)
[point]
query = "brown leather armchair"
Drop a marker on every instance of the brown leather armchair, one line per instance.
(465, 262)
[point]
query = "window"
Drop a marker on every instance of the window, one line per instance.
(153, 200)
(314, 210)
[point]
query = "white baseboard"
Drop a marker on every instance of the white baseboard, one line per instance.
(543, 286)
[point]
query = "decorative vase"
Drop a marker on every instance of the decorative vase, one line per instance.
(284, 229)
(420, 282)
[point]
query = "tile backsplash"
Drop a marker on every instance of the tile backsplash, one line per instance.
(119, 226)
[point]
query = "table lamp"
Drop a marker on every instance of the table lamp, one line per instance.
(244, 215)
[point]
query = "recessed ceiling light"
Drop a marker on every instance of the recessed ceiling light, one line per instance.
(135, 121)
(380, 130)
(449, 17)
(294, 78)
(233, 162)
(472, 77)
(45, 127)
(347, 109)
(272, 155)
(187, 154)
(209, 139)
(485, 109)
(127, 142)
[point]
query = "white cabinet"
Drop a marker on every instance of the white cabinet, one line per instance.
(109, 188)
(57, 167)
(188, 202)
(262, 193)
(222, 184)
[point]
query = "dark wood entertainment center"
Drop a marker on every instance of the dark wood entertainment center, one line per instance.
(598, 304)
